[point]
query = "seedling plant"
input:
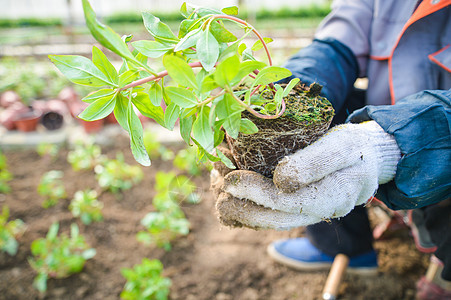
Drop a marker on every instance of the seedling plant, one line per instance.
(47, 150)
(58, 256)
(116, 175)
(208, 68)
(169, 221)
(186, 160)
(51, 188)
(85, 155)
(5, 175)
(85, 206)
(10, 231)
(145, 281)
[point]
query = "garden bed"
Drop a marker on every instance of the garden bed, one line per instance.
(211, 262)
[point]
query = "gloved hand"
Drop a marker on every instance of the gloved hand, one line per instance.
(325, 180)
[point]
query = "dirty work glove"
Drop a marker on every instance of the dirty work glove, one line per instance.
(325, 180)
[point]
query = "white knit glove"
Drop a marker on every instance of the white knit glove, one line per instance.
(325, 180)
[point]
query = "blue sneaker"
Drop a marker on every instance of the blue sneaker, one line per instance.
(300, 254)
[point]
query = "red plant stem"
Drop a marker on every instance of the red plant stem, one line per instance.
(253, 30)
(155, 77)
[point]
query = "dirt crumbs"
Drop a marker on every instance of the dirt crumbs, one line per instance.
(211, 262)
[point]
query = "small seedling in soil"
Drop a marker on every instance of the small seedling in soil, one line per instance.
(215, 83)
(85, 156)
(58, 256)
(187, 160)
(86, 207)
(162, 227)
(51, 188)
(116, 175)
(47, 150)
(10, 231)
(145, 281)
(154, 148)
(180, 187)
(5, 175)
(169, 221)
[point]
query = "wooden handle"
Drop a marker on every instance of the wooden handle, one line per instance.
(336, 273)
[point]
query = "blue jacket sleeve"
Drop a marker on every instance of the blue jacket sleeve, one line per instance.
(329, 63)
(421, 125)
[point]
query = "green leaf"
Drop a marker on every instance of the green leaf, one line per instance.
(186, 125)
(241, 48)
(290, 86)
(207, 50)
(204, 11)
(151, 49)
(246, 68)
(247, 54)
(53, 231)
(202, 131)
(189, 40)
(208, 84)
(230, 110)
(127, 77)
(229, 164)
(187, 26)
(144, 105)
(227, 70)
(271, 74)
(155, 94)
(259, 45)
(120, 111)
(248, 127)
(40, 282)
(181, 96)
(159, 30)
(99, 109)
(97, 95)
(80, 70)
(136, 137)
(231, 11)
(186, 10)
(171, 115)
(105, 66)
(180, 71)
(221, 33)
(104, 34)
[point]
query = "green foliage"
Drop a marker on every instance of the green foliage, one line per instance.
(58, 256)
(47, 149)
(205, 40)
(9, 232)
(30, 22)
(169, 221)
(145, 281)
(51, 187)
(85, 155)
(187, 160)
(116, 175)
(85, 206)
(5, 175)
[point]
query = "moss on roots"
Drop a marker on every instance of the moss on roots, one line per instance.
(306, 118)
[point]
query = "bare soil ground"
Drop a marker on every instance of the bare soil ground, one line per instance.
(212, 262)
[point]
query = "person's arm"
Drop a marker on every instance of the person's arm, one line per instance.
(421, 126)
(329, 63)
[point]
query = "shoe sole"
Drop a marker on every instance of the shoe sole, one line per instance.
(302, 266)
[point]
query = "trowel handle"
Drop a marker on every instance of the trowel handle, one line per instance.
(336, 273)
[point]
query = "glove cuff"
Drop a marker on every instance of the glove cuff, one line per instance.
(388, 152)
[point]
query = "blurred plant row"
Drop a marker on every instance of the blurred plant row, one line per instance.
(310, 11)
(60, 255)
